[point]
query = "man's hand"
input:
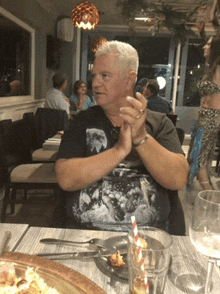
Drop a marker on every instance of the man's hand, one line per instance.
(124, 143)
(135, 115)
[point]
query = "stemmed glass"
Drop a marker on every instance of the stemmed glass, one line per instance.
(204, 230)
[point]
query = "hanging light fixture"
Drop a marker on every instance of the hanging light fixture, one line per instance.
(85, 15)
(98, 42)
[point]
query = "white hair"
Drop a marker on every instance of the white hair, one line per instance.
(127, 55)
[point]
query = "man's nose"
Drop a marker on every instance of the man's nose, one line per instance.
(96, 81)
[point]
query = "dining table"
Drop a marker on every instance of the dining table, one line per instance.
(17, 231)
(186, 262)
(53, 143)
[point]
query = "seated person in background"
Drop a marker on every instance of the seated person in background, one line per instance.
(16, 88)
(155, 102)
(79, 100)
(127, 160)
(55, 98)
(141, 86)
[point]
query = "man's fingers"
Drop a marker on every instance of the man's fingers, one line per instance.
(142, 99)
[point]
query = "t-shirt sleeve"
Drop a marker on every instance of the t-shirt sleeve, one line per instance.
(165, 133)
(73, 142)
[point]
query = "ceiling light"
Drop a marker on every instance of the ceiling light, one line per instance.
(85, 15)
(98, 42)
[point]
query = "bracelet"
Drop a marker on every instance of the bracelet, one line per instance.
(141, 142)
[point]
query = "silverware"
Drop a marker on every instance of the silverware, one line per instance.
(80, 255)
(95, 241)
(4, 241)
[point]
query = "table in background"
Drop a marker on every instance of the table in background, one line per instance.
(111, 285)
(17, 232)
(52, 143)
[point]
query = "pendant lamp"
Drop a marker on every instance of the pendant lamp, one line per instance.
(85, 15)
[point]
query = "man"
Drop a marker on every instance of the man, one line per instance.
(155, 102)
(110, 162)
(55, 98)
(16, 88)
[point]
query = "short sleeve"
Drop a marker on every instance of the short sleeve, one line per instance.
(163, 131)
(73, 141)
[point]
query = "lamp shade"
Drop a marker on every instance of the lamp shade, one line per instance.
(85, 16)
(98, 42)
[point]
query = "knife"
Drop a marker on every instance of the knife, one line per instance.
(80, 255)
(4, 241)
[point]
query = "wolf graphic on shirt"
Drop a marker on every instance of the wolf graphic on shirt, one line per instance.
(110, 202)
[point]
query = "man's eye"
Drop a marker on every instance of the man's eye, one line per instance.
(105, 75)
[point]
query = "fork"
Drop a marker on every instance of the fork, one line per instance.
(94, 241)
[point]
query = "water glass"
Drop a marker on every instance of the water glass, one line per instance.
(148, 272)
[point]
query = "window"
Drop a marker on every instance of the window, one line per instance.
(17, 43)
(194, 71)
(155, 60)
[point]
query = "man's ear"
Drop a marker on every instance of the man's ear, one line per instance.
(131, 79)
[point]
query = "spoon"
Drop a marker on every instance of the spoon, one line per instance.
(94, 241)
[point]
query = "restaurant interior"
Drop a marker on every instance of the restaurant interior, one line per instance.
(39, 38)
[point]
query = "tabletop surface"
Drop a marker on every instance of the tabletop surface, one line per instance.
(17, 232)
(184, 259)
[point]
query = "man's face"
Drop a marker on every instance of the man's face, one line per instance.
(146, 92)
(108, 86)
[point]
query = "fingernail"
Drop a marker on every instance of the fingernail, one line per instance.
(129, 98)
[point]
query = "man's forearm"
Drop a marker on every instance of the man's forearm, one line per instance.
(77, 173)
(167, 168)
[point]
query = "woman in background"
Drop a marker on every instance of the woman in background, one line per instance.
(79, 100)
(205, 131)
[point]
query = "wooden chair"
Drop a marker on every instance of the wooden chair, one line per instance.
(27, 177)
(181, 135)
(173, 118)
(15, 162)
(49, 122)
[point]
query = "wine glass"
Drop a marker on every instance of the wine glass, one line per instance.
(204, 230)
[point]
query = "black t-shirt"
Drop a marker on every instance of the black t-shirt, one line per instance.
(129, 189)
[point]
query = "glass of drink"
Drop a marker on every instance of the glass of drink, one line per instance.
(204, 230)
(148, 269)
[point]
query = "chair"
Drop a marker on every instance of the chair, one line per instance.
(14, 147)
(181, 135)
(49, 122)
(27, 177)
(17, 171)
(173, 118)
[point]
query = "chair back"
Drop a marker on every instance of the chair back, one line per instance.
(181, 135)
(173, 118)
(49, 122)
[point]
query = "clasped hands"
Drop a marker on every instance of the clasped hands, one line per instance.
(134, 116)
